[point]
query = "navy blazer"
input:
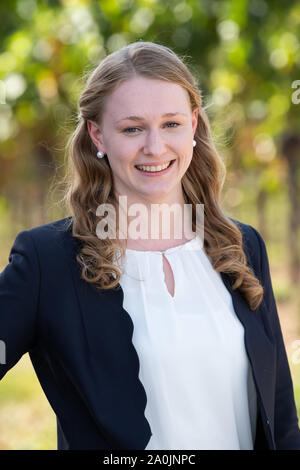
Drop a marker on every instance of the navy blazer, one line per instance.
(80, 343)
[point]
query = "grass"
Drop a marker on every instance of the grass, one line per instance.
(27, 420)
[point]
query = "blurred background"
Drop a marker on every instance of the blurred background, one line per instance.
(246, 56)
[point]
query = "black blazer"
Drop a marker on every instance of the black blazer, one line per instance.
(80, 343)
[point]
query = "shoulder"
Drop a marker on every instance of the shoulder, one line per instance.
(253, 245)
(45, 239)
(52, 228)
(250, 235)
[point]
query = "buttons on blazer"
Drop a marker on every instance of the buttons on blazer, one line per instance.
(268, 422)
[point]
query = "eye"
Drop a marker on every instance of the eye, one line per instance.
(177, 124)
(129, 129)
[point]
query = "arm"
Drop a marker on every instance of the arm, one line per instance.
(19, 291)
(286, 430)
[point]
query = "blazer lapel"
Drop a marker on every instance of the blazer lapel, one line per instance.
(261, 352)
(113, 390)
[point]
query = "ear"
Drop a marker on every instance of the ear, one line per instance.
(195, 119)
(95, 134)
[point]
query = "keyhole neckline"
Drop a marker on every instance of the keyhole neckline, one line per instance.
(194, 243)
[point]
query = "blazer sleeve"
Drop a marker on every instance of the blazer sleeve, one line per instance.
(286, 429)
(19, 291)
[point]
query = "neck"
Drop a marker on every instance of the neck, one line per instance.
(156, 225)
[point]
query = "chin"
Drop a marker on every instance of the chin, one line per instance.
(156, 197)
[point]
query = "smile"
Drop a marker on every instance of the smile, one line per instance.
(154, 169)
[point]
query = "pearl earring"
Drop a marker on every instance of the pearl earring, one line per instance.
(194, 143)
(100, 154)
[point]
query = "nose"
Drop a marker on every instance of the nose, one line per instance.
(154, 144)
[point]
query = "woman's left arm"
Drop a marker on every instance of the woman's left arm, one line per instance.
(286, 429)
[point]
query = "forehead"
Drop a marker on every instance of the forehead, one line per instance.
(147, 97)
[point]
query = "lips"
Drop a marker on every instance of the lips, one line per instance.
(156, 164)
(155, 173)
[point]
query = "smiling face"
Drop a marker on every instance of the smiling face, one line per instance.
(151, 139)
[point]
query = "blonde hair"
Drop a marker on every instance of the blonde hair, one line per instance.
(89, 179)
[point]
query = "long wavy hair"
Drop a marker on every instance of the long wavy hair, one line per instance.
(89, 180)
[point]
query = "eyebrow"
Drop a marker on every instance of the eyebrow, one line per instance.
(139, 118)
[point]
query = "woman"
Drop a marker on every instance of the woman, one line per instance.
(148, 342)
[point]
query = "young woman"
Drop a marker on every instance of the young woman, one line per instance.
(148, 342)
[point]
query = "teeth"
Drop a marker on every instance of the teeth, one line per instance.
(153, 168)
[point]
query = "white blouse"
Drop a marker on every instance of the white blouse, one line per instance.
(193, 362)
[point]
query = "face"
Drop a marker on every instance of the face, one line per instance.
(150, 140)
